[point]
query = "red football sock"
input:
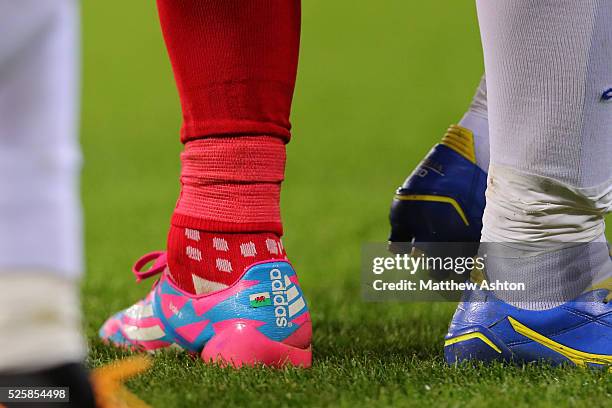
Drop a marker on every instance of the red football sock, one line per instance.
(235, 64)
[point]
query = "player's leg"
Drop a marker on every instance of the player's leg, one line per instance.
(476, 120)
(443, 199)
(235, 65)
(549, 187)
(40, 219)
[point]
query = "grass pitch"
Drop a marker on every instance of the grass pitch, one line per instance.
(378, 84)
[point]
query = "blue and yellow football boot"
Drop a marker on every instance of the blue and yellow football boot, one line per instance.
(579, 332)
(443, 199)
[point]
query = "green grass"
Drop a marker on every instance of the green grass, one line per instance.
(378, 83)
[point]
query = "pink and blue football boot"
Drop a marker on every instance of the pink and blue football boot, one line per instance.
(261, 319)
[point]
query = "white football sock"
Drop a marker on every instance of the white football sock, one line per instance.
(548, 64)
(476, 120)
(40, 216)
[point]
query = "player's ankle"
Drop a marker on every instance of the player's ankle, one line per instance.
(231, 184)
(544, 234)
(228, 214)
(202, 262)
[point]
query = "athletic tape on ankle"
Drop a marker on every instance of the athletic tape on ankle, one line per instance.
(232, 184)
(542, 213)
(254, 159)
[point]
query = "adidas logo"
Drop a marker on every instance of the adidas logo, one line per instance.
(286, 298)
